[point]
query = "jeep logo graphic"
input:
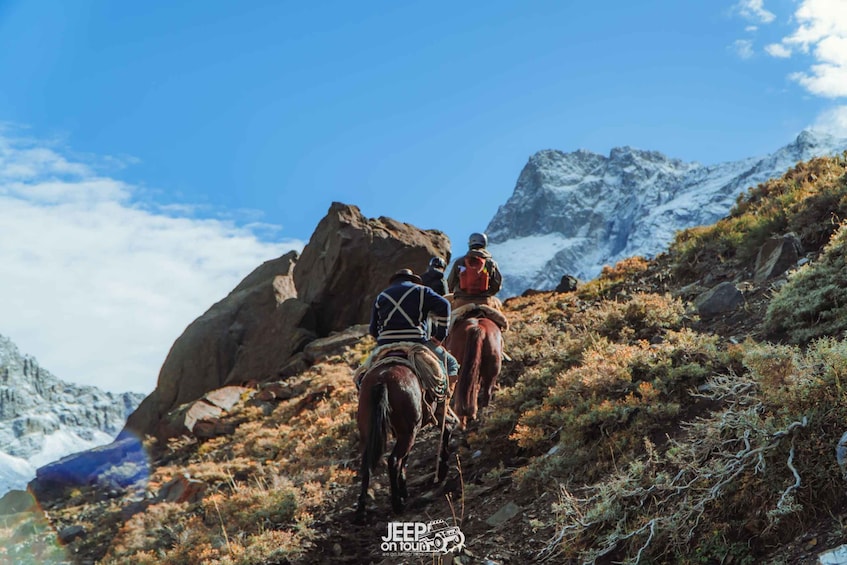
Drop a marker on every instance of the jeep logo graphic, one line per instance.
(419, 537)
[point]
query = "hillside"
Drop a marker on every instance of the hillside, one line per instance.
(629, 426)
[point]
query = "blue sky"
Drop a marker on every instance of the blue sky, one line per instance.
(153, 153)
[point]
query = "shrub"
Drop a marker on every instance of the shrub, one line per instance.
(814, 301)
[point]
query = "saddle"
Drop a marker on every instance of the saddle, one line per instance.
(479, 311)
(421, 360)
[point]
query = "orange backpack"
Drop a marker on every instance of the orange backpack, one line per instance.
(473, 278)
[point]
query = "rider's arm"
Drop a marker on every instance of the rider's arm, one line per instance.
(439, 312)
(373, 329)
(453, 277)
(495, 278)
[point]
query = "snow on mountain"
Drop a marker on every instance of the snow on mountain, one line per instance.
(43, 419)
(573, 213)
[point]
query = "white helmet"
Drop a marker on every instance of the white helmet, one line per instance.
(477, 240)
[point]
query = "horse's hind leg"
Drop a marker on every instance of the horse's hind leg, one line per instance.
(397, 472)
(404, 491)
(488, 375)
(365, 472)
(449, 426)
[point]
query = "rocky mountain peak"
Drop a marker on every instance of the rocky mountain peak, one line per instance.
(43, 418)
(573, 213)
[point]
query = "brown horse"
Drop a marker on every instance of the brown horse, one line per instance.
(477, 344)
(390, 397)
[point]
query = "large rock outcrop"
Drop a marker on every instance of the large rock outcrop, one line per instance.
(285, 304)
(202, 358)
(349, 259)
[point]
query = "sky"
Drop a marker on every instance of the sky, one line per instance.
(153, 153)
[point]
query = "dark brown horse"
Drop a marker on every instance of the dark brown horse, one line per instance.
(390, 397)
(476, 343)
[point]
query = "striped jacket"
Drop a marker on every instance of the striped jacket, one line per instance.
(400, 313)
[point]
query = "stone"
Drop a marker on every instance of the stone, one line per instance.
(70, 533)
(181, 488)
(201, 418)
(349, 260)
(334, 344)
(203, 357)
(567, 284)
(777, 255)
(506, 513)
(724, 297)
(276, 312)
(275, 391)
(227, 397)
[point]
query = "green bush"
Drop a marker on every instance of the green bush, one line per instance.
(814, 301)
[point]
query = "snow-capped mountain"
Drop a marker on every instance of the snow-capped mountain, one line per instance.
(42, 419)
(573, 213)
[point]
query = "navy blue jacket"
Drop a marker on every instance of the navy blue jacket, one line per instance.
(434, 279)
(400, 314)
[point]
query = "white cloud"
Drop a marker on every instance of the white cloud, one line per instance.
(778, 50)
(93, 285)
(822, 32)
(833, 121)
(743, 48)
(755, 10)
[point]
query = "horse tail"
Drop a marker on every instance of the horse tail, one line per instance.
(377, 440)
(468, 385)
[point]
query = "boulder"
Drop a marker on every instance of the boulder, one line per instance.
(181, 488)
(70, 533)
(203, 357)
(284, 332)
(720, 299)
(506, 513)
(257, 333)
(568, 283)
(777, 255)
(201, 417)
(334, 344)
(349, 260)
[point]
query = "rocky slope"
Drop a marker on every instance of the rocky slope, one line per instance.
(43, 419)
(573, 213)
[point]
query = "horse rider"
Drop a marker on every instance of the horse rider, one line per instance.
(475, 277)
(433, 277)
(403, 312)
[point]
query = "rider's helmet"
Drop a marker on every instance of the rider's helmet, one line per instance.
(477, 241)
(437, 263)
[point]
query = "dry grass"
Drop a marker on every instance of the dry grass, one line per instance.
(265, 483)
